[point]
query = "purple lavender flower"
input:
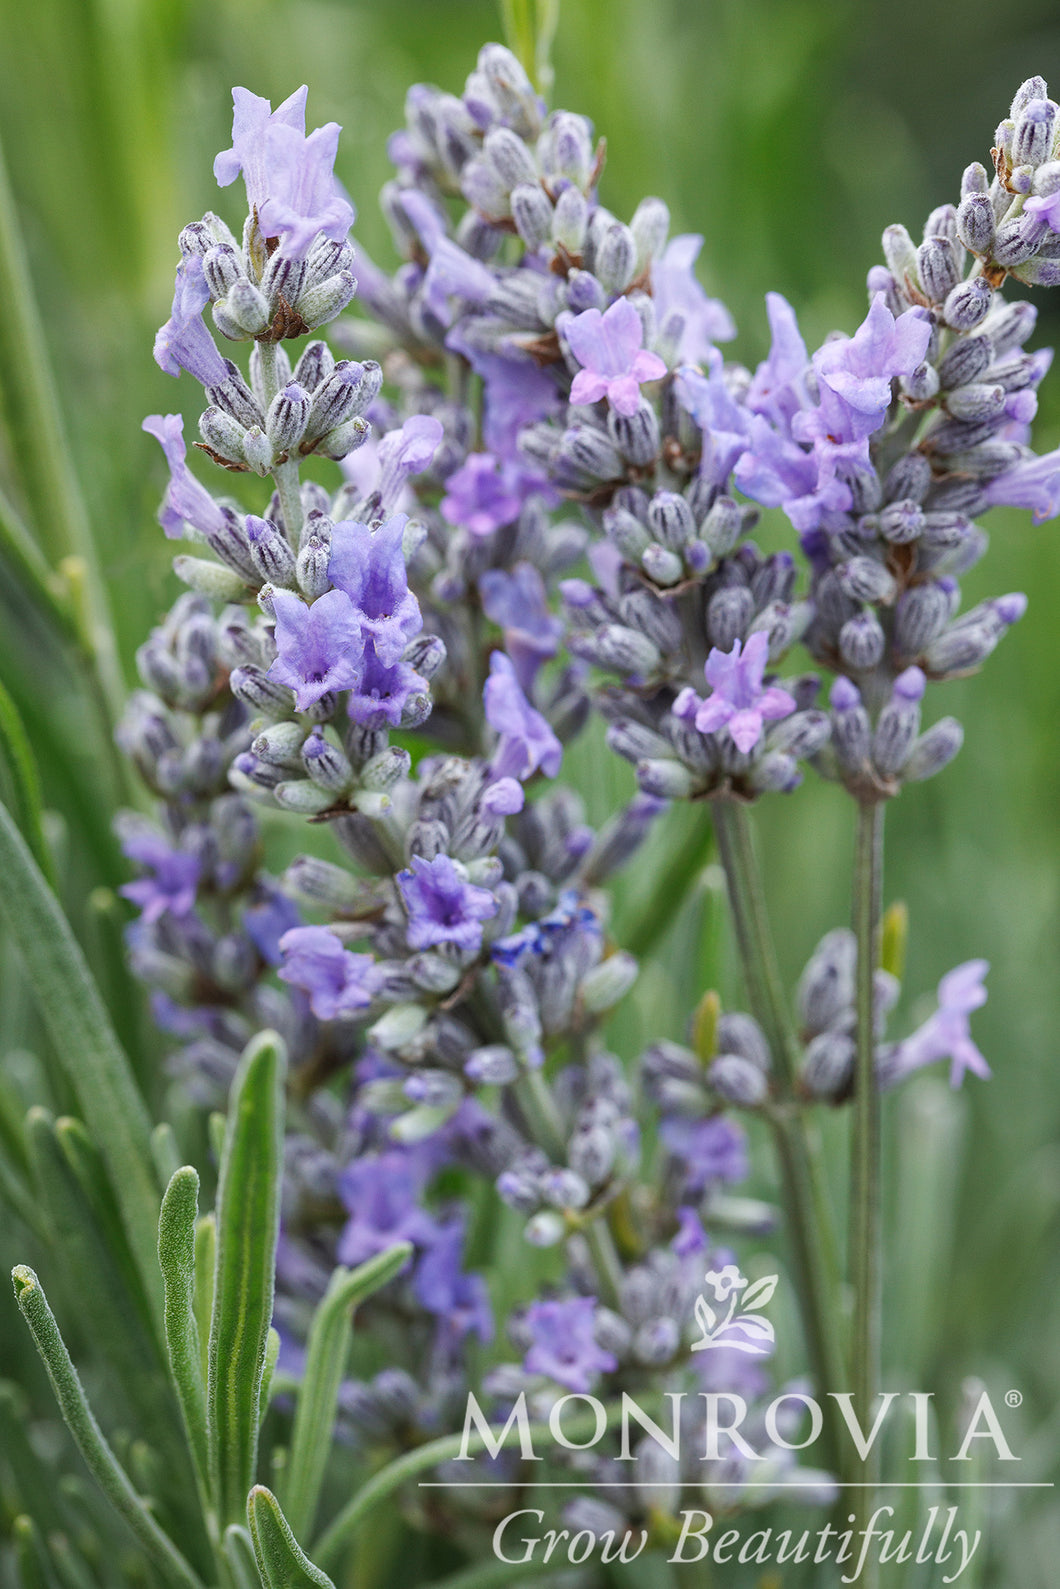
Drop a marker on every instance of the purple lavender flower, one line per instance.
(723, 421)
(515, 393)
(946, 1034)
(320, 647)
(404, 453)
(369, 565)
(174, 873)
(1046, 207)
(186, 501)
(1032, 483)
(268, 920)
(289, 178)
(564, 1347)
(709, 1150)
(516, 600)
(739, 701)
(610, 349)
(854, 374)
(677, 293)
(484, 494)
(381, 1192)
(459, 1300)
(451, 273)
(184, 343)
(379, 694)
(442, 906)
(338, 982)
(526, 741)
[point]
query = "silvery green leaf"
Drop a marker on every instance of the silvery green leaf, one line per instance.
(176, 1257)
(248, 1213)
(282, 1564)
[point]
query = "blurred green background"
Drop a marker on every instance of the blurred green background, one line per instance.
(789, 132)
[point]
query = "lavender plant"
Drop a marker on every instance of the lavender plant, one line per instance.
(525, 499)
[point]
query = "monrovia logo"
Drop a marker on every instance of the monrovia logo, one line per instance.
(743, 1331)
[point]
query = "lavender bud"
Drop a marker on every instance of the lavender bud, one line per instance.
(975, 402)
(326, 764)
(569, 220)
(283, 278)
(728, 614)
(636, 435)
(961, 648)
(564, 1189)
(1011, 326)
(655, 1343)
(850, 725)
(209, 579)
(532, 214)
(966, 361)
(776, 772)
(934, 750)
(318, 305)
(922, 383)
(492, 1066)
(249, 684)
(545, 1229)
(826, 987)
(899, 723)
(347, 392)
(590, 451)
(591, 1154)
(280, 745)
(900, 253)
(1032, 141)
(975, 223)
(802, 734)
(270, 552)
(387, 769)
(741, 1034)
(974, 180)
(828, 1066)
(656, 619)
(616, 258)
(1033, 88)
(570, 147)
(666, 780)
(602, 987)
(902, 521)
(314, 366)
(258, 451)
(650, 225)
(311, 568)
(670, 519)
(344, 439)
(866, 580)
(286, 419)
(625, 651)
(921, 615)
(438, 1089)
(861, 642)
(322, 883)
(723, 526)
(1012, 246)
(635, 742)
(937, 267)
(222, 434)
(222, 268)
(510, 157)
(245, 306)
(968, 305)
(662, 566)
(302, 797)
(737, 1081)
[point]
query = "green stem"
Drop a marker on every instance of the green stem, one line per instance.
(808, 1207)
(865, 1164)
(284, 474)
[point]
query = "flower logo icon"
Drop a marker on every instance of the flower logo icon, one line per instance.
(744, 1330)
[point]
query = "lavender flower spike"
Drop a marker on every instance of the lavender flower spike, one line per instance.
(739, 700)
(610, 349)
(185, 501)
(289, 178)
(677, 293)
(320, 647)
(184, 343)
(945, 1035)
(442, 906)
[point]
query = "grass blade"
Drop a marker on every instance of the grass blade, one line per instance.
(248, 1216)
(21, 769)
(282, 1564)
(328, 1349)
(100, 1459)
(85, 1044)
(176, 1257)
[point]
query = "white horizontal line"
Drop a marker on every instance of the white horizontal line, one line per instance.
(707, 1484)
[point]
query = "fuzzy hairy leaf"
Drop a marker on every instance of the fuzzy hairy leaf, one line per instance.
(176, 1257)
(248, 1217)
(329, 1341)
(282, 1563)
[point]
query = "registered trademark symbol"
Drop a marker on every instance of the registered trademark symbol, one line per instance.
(1014, 1398)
